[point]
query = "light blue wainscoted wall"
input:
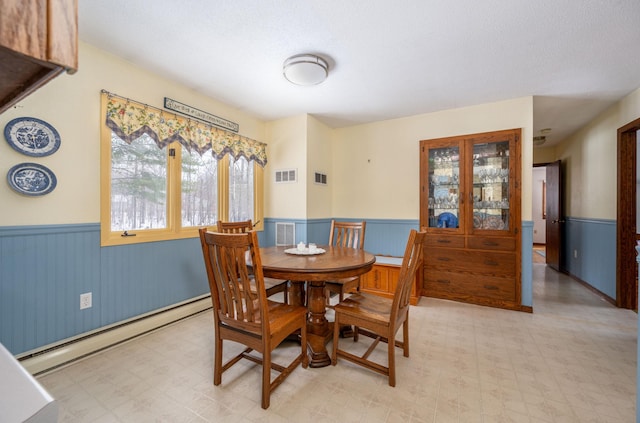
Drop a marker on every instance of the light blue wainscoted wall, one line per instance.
(594, 242)
(44, 269)
(383, 237)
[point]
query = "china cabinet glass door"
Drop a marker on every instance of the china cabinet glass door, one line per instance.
(444, 187)
(491, 186)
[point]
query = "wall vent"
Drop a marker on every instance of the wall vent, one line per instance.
(286, 175)
(321, 178)
(285, 233)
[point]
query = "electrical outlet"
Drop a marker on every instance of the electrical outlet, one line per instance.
(85, 300)
(575, 253)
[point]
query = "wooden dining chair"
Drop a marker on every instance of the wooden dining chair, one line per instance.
(272, 285)
(245, 315)
(345, 234)
(379, 317)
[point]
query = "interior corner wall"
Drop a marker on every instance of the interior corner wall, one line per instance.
(381, 160)
(319, 159)
(286, 149)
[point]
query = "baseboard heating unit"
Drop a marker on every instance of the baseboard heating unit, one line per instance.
(69, 350)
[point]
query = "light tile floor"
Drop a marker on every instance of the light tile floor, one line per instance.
(572, 360)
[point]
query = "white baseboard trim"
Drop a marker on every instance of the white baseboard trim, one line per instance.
(66, 351)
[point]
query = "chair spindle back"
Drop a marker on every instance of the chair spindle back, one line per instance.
(231, 279)
(347, 234)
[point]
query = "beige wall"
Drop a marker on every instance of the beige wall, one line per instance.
(319, 159)
(590, 162)
(71, 103)
(287, 149)
(544, 155)
(377, 165)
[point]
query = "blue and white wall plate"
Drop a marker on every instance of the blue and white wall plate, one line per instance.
(31, 136)
(31, 179)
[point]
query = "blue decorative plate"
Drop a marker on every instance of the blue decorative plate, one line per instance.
(31, 136)
(31, 179)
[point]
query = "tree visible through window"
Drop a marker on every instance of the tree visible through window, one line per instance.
(199, 189)
(240, 190)
(165, 193)
(138, 184)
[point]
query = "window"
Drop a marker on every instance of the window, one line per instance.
(241, 198)
(154, 191)
(138, 185)
(199, 189)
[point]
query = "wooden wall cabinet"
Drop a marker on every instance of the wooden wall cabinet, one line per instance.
(383, 279)
(38, 41)
(470, 208)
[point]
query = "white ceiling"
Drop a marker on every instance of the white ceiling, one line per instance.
(388, 59)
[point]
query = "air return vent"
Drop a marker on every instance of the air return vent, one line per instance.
(285, 233)
(321, 178)
(286, 175)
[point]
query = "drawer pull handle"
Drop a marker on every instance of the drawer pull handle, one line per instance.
(491, 262)
(444, 259)
(444, 241)
(490, 243)
(491, 287)
(443, 281)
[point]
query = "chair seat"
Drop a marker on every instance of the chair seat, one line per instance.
(366, 306)
(280, 315)
(341, 287)
(283, 311)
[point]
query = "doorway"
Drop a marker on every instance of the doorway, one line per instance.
(626, 227)
(539, 213)
(548, 216)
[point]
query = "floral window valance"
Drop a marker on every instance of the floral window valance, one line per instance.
(129, 120)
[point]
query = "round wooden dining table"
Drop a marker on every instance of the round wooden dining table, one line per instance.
(334, 263)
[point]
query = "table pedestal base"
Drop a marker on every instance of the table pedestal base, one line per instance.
(319, 329)
(317, 345)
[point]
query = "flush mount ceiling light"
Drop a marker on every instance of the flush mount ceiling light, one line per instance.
(539, 140)
(305, 69)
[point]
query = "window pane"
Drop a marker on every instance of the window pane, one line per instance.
(240, 189)
(138, 184)
(199, 189)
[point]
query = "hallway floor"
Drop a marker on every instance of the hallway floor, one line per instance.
(572, 360)
(539, 253)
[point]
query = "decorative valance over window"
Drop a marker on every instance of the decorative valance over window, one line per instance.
(129, 120)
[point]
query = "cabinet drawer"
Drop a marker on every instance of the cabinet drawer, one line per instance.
(376, 280)
(488, 263)
(448, 241)
(491, 243)
(456, 284)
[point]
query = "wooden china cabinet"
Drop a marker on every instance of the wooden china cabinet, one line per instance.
(470, 208)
